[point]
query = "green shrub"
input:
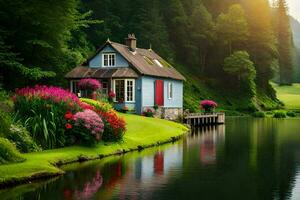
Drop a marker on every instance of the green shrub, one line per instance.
(259, 114)
(291, 114)
(279, 114)
(8, 152)
(22, 139)
(148, 113)
(103, 106)
(5, 122)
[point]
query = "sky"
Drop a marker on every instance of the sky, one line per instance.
(294, 8)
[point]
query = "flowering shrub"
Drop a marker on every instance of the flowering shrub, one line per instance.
(88, 127)
(111, 96)
(208, 105)
(42, 110)
(148, 113)
(89, 84)
(115, 126)
(52, 93)
(104, 107)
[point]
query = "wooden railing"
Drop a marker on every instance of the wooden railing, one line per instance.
(202, 119)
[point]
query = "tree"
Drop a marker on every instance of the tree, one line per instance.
(284, 37)
(232, 27)
(202, 29)
(38, 32)
(240, 66)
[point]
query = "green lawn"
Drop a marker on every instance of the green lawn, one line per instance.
(289, 95)
(141, 131)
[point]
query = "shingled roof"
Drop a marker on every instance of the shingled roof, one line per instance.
(142, 61)
(87, 72)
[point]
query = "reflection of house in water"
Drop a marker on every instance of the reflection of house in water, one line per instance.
(151, 172)
(206, 138)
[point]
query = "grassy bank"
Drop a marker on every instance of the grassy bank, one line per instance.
(289, 95)
(141, 133)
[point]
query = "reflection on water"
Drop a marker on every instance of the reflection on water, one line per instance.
(252, 159)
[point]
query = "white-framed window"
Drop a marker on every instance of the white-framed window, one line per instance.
(124, 90)
(170, 91)
(108, 59)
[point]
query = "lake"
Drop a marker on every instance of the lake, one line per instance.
(245, 159)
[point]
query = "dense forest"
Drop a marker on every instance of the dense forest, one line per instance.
(229, 50)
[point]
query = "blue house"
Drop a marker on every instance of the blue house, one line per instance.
(140, 78)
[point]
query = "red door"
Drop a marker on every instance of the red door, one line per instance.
(159, 92)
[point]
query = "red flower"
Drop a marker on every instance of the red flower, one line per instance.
(111, 94)
(69, 126)
(68, 115)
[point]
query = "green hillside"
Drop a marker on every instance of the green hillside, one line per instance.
(289, 95)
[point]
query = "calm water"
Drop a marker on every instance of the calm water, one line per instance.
(246, 159)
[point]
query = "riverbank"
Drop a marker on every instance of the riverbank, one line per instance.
(141, 133)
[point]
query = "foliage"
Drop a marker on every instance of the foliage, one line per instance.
(115, 126)
(284, 37)
(259, 114)
(22, 139)
(88, 127)
(233, 27)
(279, 114)
(8, 152)
(41, 109)
(148, 112)
(35, 32)
(5, 122)
(291, 114)
(240, 66)
(89, 84)
(102, 106)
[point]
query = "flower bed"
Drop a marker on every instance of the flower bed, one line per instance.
(57, 118)
(115, 126)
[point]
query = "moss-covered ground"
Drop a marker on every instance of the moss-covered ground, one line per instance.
(141, 132)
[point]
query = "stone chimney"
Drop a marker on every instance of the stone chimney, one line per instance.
(130, 41)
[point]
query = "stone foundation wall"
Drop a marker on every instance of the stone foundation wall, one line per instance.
(167, 113)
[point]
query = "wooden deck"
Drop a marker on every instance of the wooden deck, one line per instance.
(201, 119)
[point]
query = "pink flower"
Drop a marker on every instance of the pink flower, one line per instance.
(89, 84)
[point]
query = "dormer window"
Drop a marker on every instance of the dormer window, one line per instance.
(108, 59)
(158, 63)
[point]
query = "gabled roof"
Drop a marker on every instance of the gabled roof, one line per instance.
(143, 62)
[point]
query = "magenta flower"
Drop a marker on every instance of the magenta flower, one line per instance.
(208, 105)
(89, 84)
(55, 94)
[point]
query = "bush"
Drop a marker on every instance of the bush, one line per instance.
(5, 122)
(279, 114)
(42, 109)
(8, 152)
(259, 114)
(102, 106)
(88, 127)
(114, 126)
(208, 105)
(291, 114)
(148, 113)
(22, 139)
